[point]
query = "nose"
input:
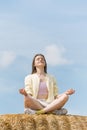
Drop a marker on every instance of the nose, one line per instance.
(41, 59)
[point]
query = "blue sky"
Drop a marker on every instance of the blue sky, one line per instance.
(56, 29)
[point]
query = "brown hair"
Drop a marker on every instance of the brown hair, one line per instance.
(34, 68)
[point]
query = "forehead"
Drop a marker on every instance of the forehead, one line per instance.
(39, 56)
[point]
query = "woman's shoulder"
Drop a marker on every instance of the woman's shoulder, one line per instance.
(50, 76)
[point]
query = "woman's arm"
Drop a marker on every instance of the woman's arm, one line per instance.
(68, 92)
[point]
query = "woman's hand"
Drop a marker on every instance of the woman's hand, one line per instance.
(70, 92)
(22, 91)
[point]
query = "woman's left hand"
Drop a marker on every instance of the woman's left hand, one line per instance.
(70, 91)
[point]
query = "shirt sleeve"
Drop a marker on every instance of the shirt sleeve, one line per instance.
(55, 87)
(28, 85)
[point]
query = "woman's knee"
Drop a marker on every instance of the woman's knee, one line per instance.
(26, 100)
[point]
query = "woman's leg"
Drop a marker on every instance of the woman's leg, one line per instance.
(56, 104)
(30, 102)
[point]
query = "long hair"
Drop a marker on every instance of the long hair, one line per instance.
(34, 68)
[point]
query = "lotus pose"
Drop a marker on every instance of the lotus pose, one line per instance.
(41, 90)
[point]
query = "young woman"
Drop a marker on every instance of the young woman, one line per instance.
(41, 90)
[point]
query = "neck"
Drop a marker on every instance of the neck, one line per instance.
(40, 71)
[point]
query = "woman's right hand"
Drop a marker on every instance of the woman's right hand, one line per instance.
(22, 91)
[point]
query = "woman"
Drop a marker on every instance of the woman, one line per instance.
(41, 91)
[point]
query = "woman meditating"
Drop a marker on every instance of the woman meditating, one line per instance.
(41, 90)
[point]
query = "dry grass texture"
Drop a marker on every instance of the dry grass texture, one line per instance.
(42, 122)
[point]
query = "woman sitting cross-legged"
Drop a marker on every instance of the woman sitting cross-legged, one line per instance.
(41, 90)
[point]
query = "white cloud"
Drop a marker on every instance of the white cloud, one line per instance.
(6, 58)
(55, 55)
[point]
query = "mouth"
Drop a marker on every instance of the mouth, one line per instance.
(41, 63)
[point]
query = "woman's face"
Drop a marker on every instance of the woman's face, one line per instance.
(39, 61)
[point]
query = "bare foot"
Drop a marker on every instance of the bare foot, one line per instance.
(22, 91)
(70, 92)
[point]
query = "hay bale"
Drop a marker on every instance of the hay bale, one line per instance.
(42, 122)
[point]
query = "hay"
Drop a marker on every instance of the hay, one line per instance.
(42, 122)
